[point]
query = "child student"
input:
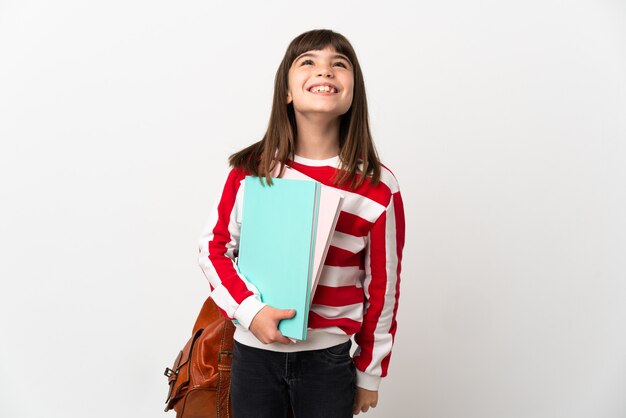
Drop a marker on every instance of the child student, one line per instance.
(318, 126)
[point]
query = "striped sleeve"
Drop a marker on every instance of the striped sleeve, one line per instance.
(383, 259)
(218, 245)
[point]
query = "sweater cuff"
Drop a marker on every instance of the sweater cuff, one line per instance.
(367, 381)
(247, 310)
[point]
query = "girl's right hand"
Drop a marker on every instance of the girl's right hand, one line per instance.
(264, 326)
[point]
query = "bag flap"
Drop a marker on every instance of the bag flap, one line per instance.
(179, 375)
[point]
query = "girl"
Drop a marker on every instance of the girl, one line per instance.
(318, 126)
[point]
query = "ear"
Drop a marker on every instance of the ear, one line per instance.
(289, 98)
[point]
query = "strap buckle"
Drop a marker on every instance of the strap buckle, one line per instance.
(225, 353)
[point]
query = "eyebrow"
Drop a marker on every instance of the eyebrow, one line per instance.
(309, 54)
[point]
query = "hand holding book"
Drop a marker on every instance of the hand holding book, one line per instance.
(264, 326)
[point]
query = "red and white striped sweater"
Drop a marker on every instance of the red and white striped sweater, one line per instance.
(360, 281)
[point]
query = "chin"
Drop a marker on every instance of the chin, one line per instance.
(325, 109)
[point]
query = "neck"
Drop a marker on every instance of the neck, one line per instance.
(318, 136)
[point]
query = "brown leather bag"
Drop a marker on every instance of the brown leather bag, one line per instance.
(199, 380)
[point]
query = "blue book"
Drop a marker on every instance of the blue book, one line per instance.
(277, 245)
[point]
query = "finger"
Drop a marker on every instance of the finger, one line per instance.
(280, 338)
(285, 313)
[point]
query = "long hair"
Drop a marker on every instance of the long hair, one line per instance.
(278, 144)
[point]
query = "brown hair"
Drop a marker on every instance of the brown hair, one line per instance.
(278, 143)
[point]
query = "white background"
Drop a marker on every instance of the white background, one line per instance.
(504, 122)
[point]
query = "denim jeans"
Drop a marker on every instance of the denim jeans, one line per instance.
(316, 383)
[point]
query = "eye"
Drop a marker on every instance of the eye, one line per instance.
(305, 61)
(342, 64)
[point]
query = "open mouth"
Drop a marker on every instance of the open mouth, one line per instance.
(323, 89)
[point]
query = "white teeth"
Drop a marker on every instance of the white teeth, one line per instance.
(326, 89)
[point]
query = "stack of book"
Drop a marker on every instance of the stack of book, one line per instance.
(286, 229)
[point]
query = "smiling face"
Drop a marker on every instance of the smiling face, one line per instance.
(321, 81)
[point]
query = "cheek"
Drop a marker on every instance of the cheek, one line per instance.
(350, 94)
(349, 84)
(291, 82)
(296, 81)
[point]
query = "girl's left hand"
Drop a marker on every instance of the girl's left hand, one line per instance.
(364, 399)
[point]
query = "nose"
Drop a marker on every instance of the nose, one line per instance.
(325, 71)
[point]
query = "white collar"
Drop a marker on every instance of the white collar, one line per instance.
(318, 163)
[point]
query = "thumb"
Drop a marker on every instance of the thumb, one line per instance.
(286, 313)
